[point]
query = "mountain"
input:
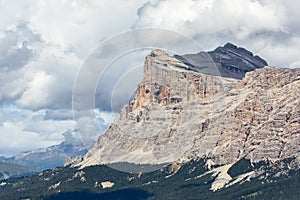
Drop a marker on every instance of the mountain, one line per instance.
(9, 170)
(2, 158)
(228, 61)
(181, 114)
(190, 134)
(47, 158)
(52, 156)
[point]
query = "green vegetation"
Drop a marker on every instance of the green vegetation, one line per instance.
(8, 170)
(73, 183)
(252, 195)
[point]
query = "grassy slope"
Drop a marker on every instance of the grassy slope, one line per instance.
(12, 170)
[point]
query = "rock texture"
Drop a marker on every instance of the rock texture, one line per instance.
(227, 61)
(182, 114)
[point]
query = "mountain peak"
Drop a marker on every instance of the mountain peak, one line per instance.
(158, 53)
(179, 113)
(228, 61)
(162, 59)
(229, 45)
(171, 90)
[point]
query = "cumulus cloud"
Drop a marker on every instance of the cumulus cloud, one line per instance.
(22, 130)
(52, 76)
(42, 48)
(12, 84)
(264, 26)
(56, 37)
(78, 26)
(237, 18)
(14, 49)
(17, 43)
(44, 43)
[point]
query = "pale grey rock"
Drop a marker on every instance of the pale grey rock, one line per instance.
(180, 114)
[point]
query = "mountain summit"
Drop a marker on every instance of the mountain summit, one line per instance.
(228, 61)
(180, 114)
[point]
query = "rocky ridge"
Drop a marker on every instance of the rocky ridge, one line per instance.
(182, 114)
(227, 61)
(47, 158)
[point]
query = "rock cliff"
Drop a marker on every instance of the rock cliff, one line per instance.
(180, 114)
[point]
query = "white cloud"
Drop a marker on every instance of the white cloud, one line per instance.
(13, 139)
(79, 26)
(239, 18)
(61, 34)
(43, 44)
(283, 54)
(264, 26)
(52, 75)
(23, 130)
(11, 85)
(37, 95)
(14, 49)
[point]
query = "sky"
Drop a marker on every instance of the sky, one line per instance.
(43, 45)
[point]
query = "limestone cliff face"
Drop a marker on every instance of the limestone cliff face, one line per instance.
(269, 117)
(168, 81)
(180, 114)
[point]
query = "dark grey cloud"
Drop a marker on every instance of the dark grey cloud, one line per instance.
(58, 114)
(118, 82)
(15, 50)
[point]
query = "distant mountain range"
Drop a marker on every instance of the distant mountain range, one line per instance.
(47, 158)
(10, 170)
